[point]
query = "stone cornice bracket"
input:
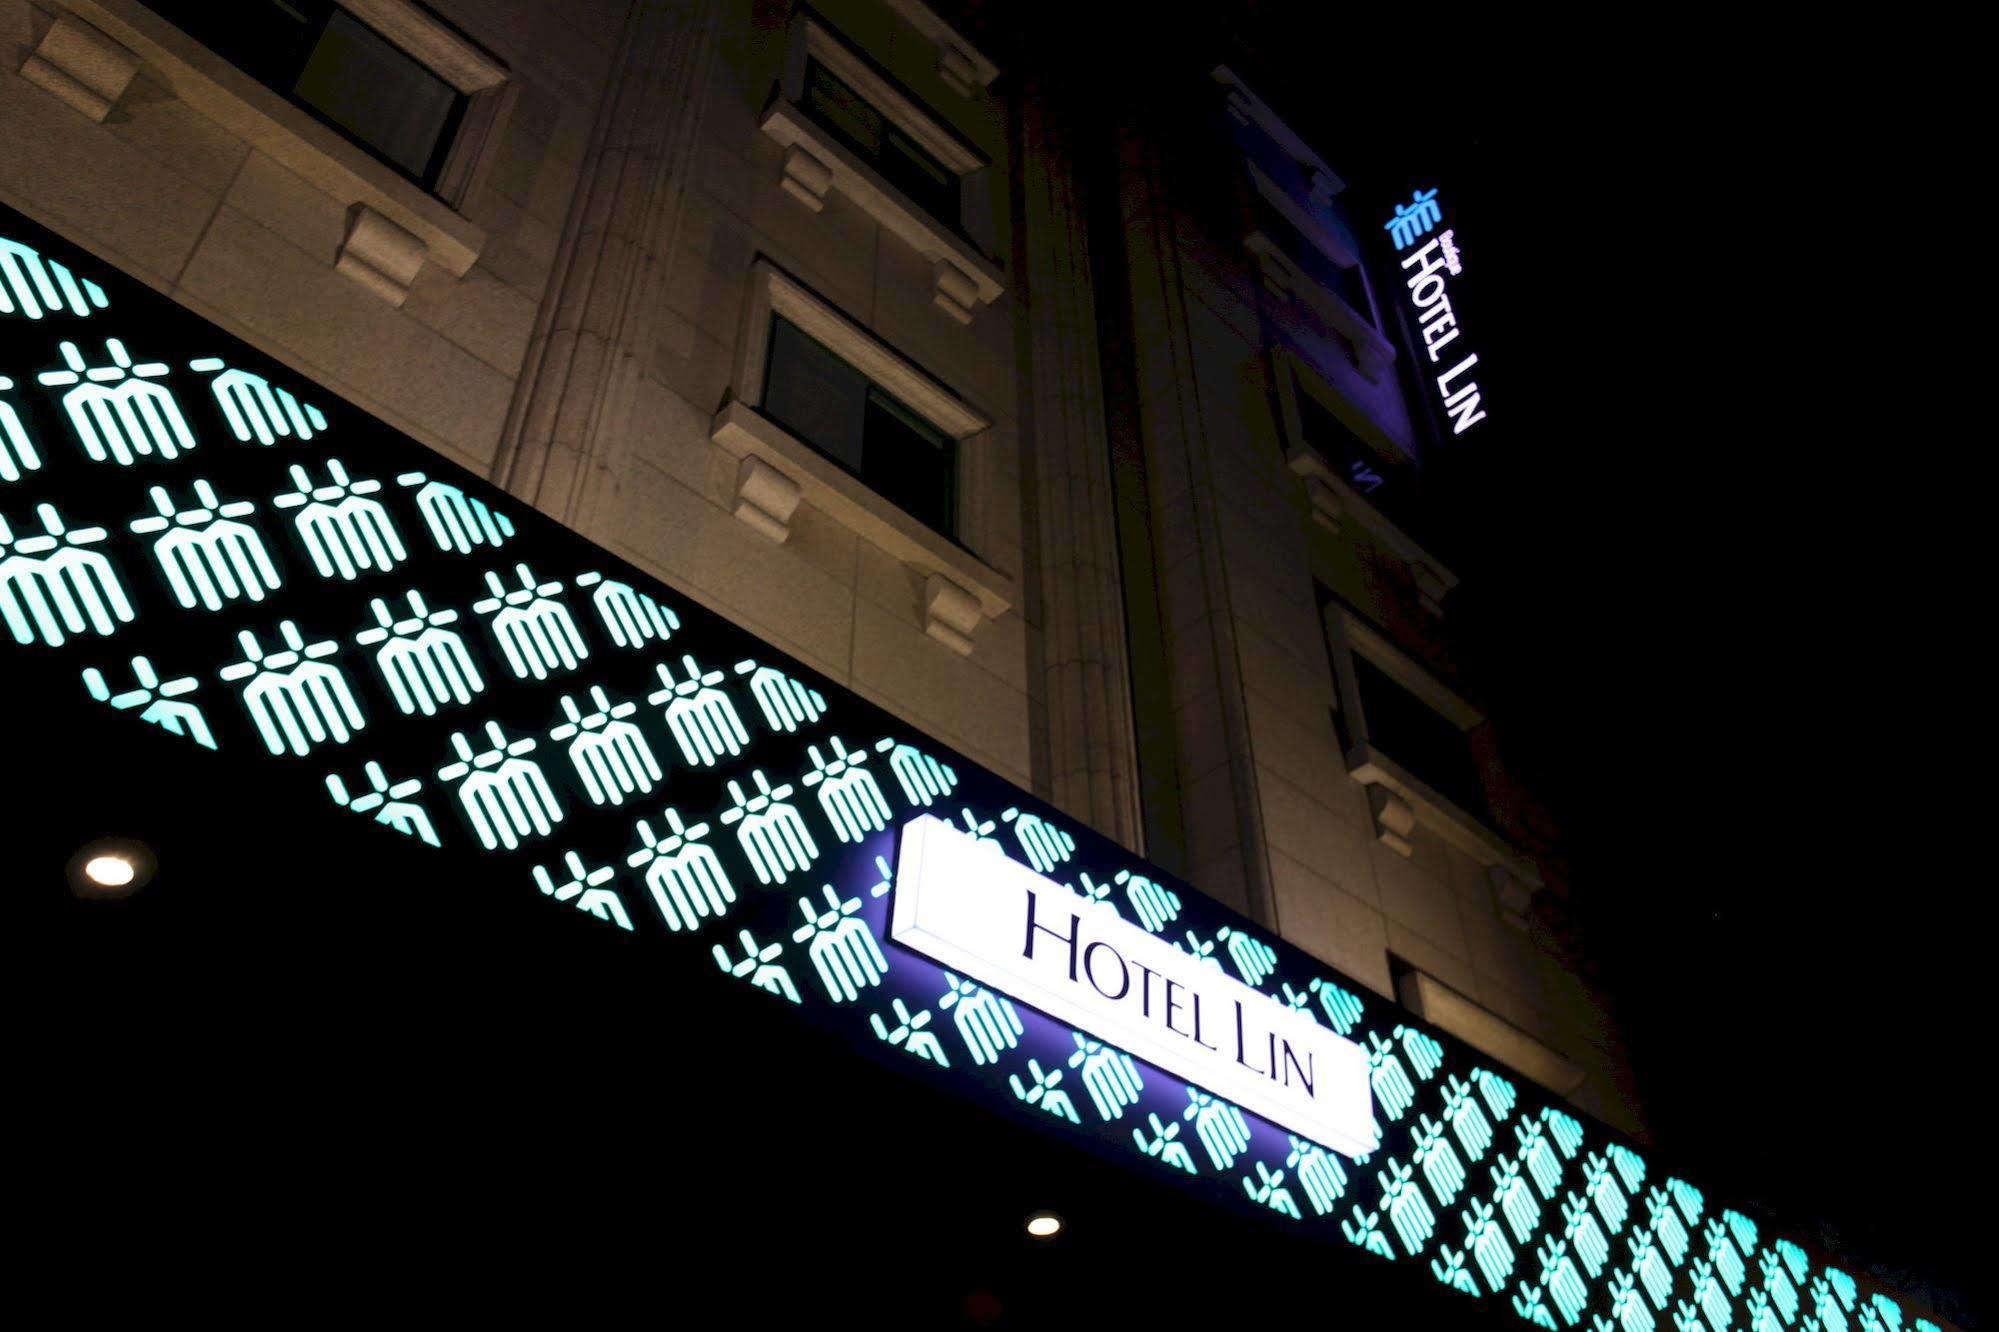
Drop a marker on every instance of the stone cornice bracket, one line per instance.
(81, 66)
(959, 65)
(1327, 506)
(380, 255)
(1394, 821)
(957, 294)
(805, 178)
(1512, 896)
(766, 498)
(1431, 587)
(951, 615)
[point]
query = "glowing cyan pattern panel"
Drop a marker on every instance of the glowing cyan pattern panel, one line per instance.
(324, 613)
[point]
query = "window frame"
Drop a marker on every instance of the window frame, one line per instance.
(742, 430)
(301, 141)
(1347, 634)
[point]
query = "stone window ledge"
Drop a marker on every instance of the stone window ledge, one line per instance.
(1333, 500)
(1433, 1001)
(959, 64)
(747, 434)
(1372, 353)
(1420, 804)
(816, 162)
(291, 136)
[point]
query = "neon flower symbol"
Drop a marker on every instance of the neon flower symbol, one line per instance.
(388, 802)
(346, 533)
(1408, 1210)
(1687, 1318)
(72, 591)
(1343, 1010)
(1713, 1300)
(787, 704)
(1201, 950)
(1365, 1231)
(1164, 1144)
(849, 796)
(586, 889)
(1319, 1171)
(773, 835)
(1602, 1189)
(135, 420)
(1487, 1242)
(1568, 1136)
(1442, 1170)
(1046, 1092)
(208, 557)
(458, 521)
(1561, 1279)
(685, 877)
(17, 451)
(1721, 1250)
(1825, 1307)
(1631, 1169)
(1298, 1001)
(1219, 1125)
(1389, 1079)
(1527, 1305)
(1268, 1189)
(1579, 1226)
(1254, 959)
(1542, 1165)
(425, 664)
(533, 629)
(254, 409)
(980, 831)
(1425, 1055)
(1497, 1091)
(1449, 1268)
(701, 717)
(1109, 1076)
(1155, 905)
(1466, 1117)
(1096, 894)
(1667, 1226)
(758, 965)
(296, 699)
(842, 947)
(1794, 1258)
(1514, 1198)
(881, 886)
(1045, 844)
(32, 286)
(609, 753)
(631, 617)
(504, 794)
(1413, 219)
(157, 698)
(1650, 1266)
(1627, 1307)
(924, 780)
(909, 1033)
(986, 1022)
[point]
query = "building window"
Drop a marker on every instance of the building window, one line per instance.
(1434, 749)
(902, 162)
(338, 68)
(827, 403)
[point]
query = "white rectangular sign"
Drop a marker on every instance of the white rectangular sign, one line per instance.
(969, 907)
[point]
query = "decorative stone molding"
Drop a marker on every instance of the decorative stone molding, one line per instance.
(805, 178)
(959, 65)
(1431, 586)
(816, 163)
(950, 614)
(380, 255)
(293, 137)
(1394, 821)
(416, 32)
(81, 66)
(574, 417)
(1511, 896)
(766, 498)
(1327, 507)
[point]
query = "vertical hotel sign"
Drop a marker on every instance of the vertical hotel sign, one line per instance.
(1427, 266)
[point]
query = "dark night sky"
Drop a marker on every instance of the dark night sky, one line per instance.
(1716, 552)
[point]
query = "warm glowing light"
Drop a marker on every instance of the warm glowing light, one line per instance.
(1044, 1225)
(110, 871)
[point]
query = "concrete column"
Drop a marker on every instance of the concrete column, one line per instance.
(1092, 760)
(569, 427)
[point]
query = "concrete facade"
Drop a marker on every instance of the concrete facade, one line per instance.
(580, 312)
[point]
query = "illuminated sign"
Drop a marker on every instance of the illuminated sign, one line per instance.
(1425, 271)
(330, 622)
(1076, 959)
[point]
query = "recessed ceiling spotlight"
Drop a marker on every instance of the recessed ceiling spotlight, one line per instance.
(1044, 1225)
(111, 867)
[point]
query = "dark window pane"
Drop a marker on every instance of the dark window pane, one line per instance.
(841, 110)
(910, 463)
(929, 184)
(359, 81)
(815, 395)
(1421, 739)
